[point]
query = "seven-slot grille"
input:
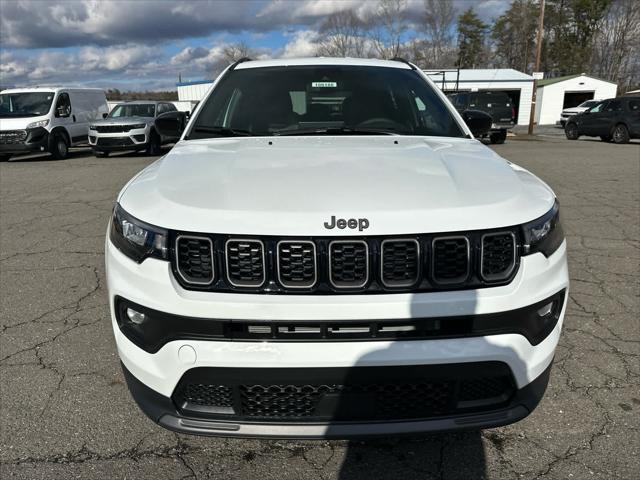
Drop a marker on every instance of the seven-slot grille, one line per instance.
(348, 263)
(9, 137)
(400, 262)
(245, 262)
(450, 260)
(297, 264)
(112, 128)
(195, 259)
(329, 265)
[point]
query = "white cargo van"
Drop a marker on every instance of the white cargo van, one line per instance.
(47, 119)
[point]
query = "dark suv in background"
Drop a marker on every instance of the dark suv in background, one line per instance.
(615, 119)
(496, 104)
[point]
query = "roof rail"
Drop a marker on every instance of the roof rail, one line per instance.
(403, 60)
(242, 60)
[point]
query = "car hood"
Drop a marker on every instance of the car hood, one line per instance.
(293, 185)
(122, 121)
(19, 123)
(574, 110)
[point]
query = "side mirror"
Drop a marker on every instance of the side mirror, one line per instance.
(170, 124)
(62, 111)
(478, 122)
(105, 115)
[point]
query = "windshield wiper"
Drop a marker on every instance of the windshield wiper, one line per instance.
(337, 131)
(223, 131)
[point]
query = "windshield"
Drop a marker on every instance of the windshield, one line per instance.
(312, 100)
(589, 103)
(133, 110)
(25, 104)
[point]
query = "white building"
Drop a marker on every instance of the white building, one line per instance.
(555, 94)
(193, 91)
(518, 85)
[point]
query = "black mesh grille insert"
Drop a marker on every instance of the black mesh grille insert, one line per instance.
(384, 393)
(349, 263)
(400, 262)
(450, 260)
(114, 141)
(297, 264)
(245, 263)
(195, 259)
(8, 137)
(498, 255)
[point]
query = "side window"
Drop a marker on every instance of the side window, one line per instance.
(63, 105)
(170, 107)
(614, 106)
(599, 108)
(463, 99)
(160, 109)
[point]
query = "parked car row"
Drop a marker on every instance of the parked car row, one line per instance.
(614, 119)
(51, 120)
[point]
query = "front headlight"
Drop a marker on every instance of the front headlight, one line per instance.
(136, 239)
(39, 123)
(544, 234)
(138, 126)
(92, 127)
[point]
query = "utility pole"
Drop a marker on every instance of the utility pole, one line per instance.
(537, 66)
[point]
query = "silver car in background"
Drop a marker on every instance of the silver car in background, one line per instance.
(130, 126)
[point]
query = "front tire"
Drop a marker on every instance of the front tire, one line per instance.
(620, 134)
(59, 146)
(571, 131)
(498, 137)
(154, 147)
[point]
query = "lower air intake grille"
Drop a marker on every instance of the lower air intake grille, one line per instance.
(498, 255)
(361, 394)
(195, 259)
(400, 262)
(245, 263)
(114, 141)
(348, 263)
(450, 262)
(297, 264)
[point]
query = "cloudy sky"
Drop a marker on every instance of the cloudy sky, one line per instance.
(140, 44)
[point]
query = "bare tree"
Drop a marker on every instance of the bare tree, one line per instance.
(439, 19)
(387, 27)
(235, 51)
(617, 46)
(343, 35)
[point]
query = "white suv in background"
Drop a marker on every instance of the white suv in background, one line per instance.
(47, 119)
(328, 252)
(131, 126)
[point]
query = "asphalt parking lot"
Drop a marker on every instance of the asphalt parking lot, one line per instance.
(65, 411)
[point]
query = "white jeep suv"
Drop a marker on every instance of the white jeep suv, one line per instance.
(328, 252)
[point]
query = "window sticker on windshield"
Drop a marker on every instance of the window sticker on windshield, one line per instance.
(324, 84)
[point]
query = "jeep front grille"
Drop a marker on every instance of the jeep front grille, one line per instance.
(498, 255)
(245, 262)
(450, 260)
(348, 263)
(195, 259)
(400, 261)
(297, 264)
(321, 265)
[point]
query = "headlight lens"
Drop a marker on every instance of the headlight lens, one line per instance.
(138, 126)
(136, 239)
(92, 127)
(39, 123)
(544, 234)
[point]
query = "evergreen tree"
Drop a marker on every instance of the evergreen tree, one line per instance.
(472, 34)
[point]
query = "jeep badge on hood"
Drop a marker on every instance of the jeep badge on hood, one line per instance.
(342, 223)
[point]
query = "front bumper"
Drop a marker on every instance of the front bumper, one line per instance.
(153, 285)
(119, 141)
(36, 140)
